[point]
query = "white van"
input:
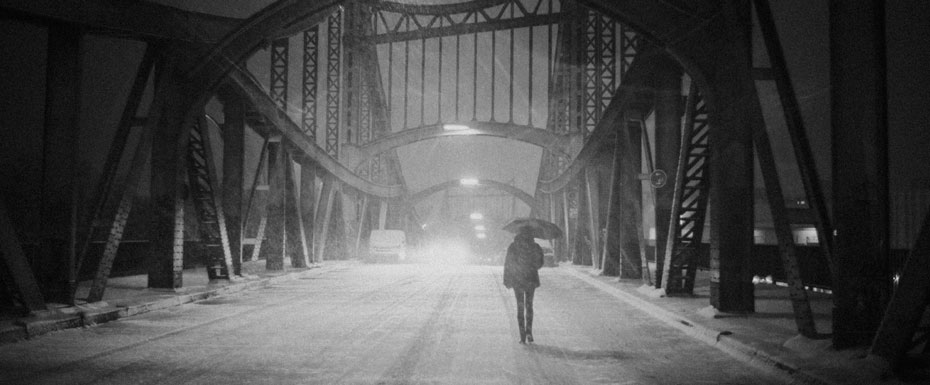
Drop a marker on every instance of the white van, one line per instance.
(387, 245)
(548, 252)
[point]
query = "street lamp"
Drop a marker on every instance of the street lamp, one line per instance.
(476, 216)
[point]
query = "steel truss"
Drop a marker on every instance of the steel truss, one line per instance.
(308, 115)
(689, 204)
(279, 64)
(201, 175)
(396, 22)
(333, 77)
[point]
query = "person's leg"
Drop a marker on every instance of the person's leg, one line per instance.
(520, 294)
(529, 313)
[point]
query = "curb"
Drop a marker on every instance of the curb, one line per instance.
(101, 312)
(719, 339)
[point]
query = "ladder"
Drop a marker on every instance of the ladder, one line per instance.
(689, 204)
(200, 173)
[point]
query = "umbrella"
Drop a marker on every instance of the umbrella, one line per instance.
(539, 228)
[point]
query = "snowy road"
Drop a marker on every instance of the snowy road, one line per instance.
(380, 324)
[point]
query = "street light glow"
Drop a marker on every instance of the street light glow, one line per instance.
(481, 235)
(455, 127)
(468, 182)
(480, 228)
(476, 216)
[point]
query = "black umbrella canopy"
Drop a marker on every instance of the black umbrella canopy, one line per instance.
(539, 228)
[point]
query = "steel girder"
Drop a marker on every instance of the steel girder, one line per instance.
(396, 22)
(246, 86)
(634, 94)
(137, 19)
(418, 196)
(563, 144)
(684, 31)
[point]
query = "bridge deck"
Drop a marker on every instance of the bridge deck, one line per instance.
(410, 323)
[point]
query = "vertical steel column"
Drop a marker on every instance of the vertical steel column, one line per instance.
(58, 210)
(308, 117)
(333, 82)
(592, 195)
(731, 176)
(166, 216)
(611, 257)
(630, 199)
(293, 236)
(668, 111)
(273, 249)
(308, 202)
(860, 168)
(581, 254)
(324, 215)
(234, 175)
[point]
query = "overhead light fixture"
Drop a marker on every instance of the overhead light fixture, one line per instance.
(480, 228)
(468, 182)
(481, 235)
(476, 216)
(455, 127)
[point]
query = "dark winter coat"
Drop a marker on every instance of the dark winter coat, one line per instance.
(521, 266)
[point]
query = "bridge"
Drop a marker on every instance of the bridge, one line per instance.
(677, 144)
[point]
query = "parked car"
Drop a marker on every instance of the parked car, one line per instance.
(387, 246)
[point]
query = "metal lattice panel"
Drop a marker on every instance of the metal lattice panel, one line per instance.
(599, 68)
(210, 213)
(629, 45)
(691, 199)
(394, 22)
(279, 54)
(311, 65)
(333, 77)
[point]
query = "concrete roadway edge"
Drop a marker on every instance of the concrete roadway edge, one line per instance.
(718, 339)
(100, 312)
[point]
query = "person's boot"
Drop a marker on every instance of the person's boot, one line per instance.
(529, 329)
(522, 330)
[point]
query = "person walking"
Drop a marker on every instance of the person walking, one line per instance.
(521, 273)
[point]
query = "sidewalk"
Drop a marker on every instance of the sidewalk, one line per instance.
(767, 339)
(128, 296)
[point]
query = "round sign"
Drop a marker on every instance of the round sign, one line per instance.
(658, 178)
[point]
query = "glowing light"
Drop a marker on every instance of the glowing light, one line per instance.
(476, 216)
(480, 228)
(455, 127)
(481, 235)
(468, 182)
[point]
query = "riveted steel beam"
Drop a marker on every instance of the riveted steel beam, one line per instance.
(246, 86)
(562, 144)
(525, 197)
(135, 19)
